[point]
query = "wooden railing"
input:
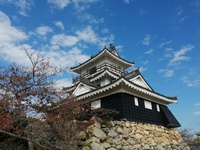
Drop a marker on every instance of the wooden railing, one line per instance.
(92, 71)
(99, 68)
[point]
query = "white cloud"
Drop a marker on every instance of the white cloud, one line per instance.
(9, 33)
(197, 113)
(11, 39)
(190, 83)
(168, 53)
(165, 43)
(142, 69)
(145, 62)
(90, 18)
(168, 49)
(197, 104)
(81, 5)
(65, 59)
(127, 1)
(146, 40)
(105, 30)
(150, 51)
(87, 35)
(81, 37)
(64, 40)
(60, 83)
(166, 72)
(59, 25)
(180, 55)
(105, 40)
(43, 30)
(23, 5)
(61, 4)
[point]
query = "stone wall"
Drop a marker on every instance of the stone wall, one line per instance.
(126, 135)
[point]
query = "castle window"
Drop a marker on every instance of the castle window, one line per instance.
(147, 105)
(93, 70)
(95, 104)
(136, 101)
(158, 107)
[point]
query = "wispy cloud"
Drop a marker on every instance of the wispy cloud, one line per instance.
(23, 5)
(90, 18)
(180, 56)
(105, 30)
(180, 15)
(189, 82)
(197, 113)
(146, 40)
(166, 72)
(197, 104)
(87, 34)
(59, 24)
(150, 51)
(165, 43)
(61, 4)
(142, 69)
(43, 30)
(142, 12)
(79, 5)
(64, 40)
(127, 1)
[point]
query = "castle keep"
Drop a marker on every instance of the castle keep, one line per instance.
(104, 83)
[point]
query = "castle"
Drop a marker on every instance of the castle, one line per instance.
(104, 83)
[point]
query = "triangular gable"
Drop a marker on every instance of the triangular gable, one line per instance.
(139, 80)
(82, 88)
(122, 81)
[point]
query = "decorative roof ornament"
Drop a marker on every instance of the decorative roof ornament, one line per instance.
(113, 49)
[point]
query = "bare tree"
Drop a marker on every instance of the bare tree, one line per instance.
(25, 89)
(186, 135)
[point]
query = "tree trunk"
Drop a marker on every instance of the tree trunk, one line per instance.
(30, 144)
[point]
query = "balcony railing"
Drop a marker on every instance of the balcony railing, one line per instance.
(93, 71)
(96, 69)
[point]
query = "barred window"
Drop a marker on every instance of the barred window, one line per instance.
(136, 101)
(147, 105)
(95, 104)
(158, 107)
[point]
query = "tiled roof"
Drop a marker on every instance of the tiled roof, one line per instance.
(101, 53)
(123, 81)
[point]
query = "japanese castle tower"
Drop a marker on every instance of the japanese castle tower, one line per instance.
(104, 83)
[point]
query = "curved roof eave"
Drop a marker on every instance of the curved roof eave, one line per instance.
(103, 74)
(98, 55)
(166, 99)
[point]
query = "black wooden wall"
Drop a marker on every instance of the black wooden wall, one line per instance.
(124, 104)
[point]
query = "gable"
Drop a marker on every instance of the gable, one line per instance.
(81, 89)
(141, 82)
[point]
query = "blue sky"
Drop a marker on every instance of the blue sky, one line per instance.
(161, 37)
